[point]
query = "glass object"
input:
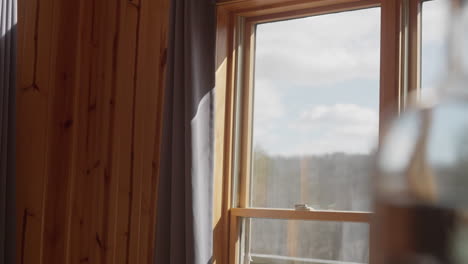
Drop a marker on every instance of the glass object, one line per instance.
(422, 188)
(275, 241)
(316, 111)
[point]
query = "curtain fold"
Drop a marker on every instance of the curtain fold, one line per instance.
(184, 222)
(7, 131)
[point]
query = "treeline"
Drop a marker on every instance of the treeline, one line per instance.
(336, 181)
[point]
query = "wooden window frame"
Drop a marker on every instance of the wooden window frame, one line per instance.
(399, 74)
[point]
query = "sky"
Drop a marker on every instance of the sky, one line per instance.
(317, 81)
(316, 84)
(434, 24)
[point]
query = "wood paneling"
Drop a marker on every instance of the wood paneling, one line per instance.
(90, 78)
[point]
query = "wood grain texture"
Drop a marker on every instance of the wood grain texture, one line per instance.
(34, 48)
(414, 47)
(291, 8)
(390, 63)
(90, 79)
(314, 215)
(224, 101)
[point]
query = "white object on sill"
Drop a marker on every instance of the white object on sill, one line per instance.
(303, 207)
(247, 259)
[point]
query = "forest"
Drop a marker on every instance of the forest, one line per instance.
(336, 181)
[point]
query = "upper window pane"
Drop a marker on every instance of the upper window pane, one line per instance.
(433, 59)
(316, 109)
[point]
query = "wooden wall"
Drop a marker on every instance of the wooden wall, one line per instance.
(89, 101)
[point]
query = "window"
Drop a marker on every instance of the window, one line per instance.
(315, 123)
(302, 94)
(433, 64)
(315, 111)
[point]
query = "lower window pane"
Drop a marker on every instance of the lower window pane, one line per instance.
(276, 241)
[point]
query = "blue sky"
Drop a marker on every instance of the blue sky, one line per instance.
(317, 80)
(316, 85)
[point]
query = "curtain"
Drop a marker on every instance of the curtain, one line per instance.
(184, 222)
(7, 130)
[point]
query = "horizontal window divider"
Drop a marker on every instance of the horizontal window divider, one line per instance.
(314, 215)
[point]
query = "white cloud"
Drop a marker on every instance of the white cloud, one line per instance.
(315, 51)
(321, 129)
(268, 110)
(356, 119)
(267, 107)
(337, 128)
(321, 49)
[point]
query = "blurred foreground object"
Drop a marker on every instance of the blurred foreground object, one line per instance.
(422, 185)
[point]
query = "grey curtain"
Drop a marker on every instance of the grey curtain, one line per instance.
(7, 130)
(184, 222)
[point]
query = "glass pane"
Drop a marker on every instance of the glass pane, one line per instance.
(295, 241)
(316, 108)
(433, 59)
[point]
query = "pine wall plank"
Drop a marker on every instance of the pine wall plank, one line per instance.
(90, 79)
